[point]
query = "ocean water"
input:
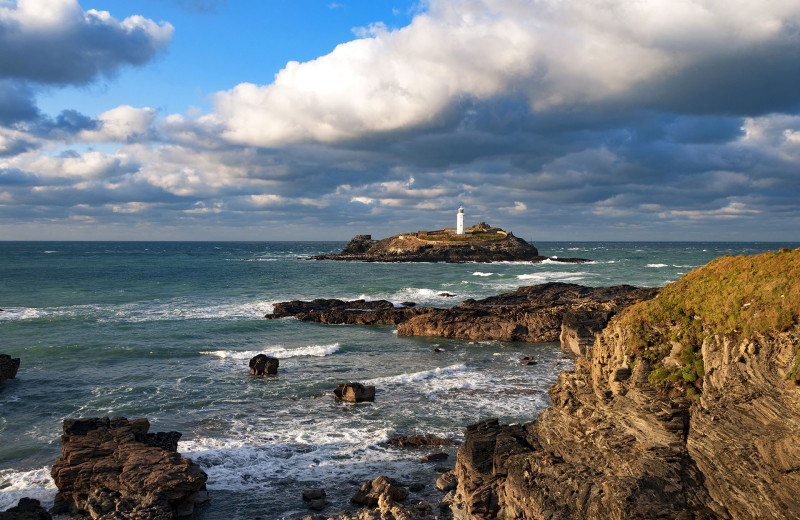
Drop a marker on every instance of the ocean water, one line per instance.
(165, 330)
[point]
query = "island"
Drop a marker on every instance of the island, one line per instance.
(479, 243)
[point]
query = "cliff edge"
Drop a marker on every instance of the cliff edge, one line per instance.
(687, 406)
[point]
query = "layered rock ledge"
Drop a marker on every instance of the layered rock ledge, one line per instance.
(111, 469)
(686, 407)
(535, 313)
(482, 243)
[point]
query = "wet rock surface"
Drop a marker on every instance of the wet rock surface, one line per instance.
(534, 313)
(263, 365)
(114, 469)
(8, 367)
(354, 392)
(26, 509)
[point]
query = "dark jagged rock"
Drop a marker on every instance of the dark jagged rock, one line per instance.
(686, 407)
(26, 509)
(262, 365)
(340, 312)
(533, 313)
(579, 328)
(382, 487)
(8, 367)
(416, 441)
(435, 457)
(114, 468)
(480, 244)
(354, 392)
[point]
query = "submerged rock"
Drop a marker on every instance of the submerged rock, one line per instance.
(114, 468)
(354, 392)
(262, 365)
(8, 367)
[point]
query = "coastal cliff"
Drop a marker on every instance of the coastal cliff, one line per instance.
(687, 406)
(481, 243)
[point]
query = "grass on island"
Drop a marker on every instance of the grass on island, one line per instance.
(494, 237)
(738, 297)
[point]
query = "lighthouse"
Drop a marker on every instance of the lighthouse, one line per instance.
(460, 221)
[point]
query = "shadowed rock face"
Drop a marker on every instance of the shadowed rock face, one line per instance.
(622, 442)
(528, 314)
(8, 367)
(495, 246)
(114, 468)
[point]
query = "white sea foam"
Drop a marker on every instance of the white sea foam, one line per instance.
(657, 266)
(419, 376)
(478, 273)
(277, 352)
(550, 276)
(35, 483)
(49, 252)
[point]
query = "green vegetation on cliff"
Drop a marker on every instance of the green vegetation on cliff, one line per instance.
(735, 297)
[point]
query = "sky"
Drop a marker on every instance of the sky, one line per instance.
(570, 120)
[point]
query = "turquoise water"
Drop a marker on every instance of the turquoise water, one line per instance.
(165, 331)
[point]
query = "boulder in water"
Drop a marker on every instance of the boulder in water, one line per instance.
(26, 509)
(354, 392)
(8, 367)
(263, 364)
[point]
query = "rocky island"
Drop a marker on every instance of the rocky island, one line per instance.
(479, 243)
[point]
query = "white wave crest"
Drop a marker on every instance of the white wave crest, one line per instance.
(35, 483)
(478, 273)
(419, 376)
(277, 352)
(657, 265)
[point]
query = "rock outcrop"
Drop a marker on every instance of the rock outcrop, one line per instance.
(533, 313)
(340, 312)
(354, 392)
(482, 244)
(417, 441)
(687, 406)
(111, 469)
(26, 509)
(8, 367)
(263, 365)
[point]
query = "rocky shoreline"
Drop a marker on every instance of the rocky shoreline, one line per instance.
(684, 404)
(548, 312)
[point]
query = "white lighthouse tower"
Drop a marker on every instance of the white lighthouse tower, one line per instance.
(460, 221)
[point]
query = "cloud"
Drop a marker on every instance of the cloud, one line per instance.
(123, 124)
(677, 55)
(57, 42)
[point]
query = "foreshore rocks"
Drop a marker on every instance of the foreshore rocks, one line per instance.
(354, 392)
(263, 365)
(484, 245)
(8, 367)
(112, 469)
(535, 313)
(686, 407)
(26, 509)
(340, 312)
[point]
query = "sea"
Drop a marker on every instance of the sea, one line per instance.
(165, 330)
